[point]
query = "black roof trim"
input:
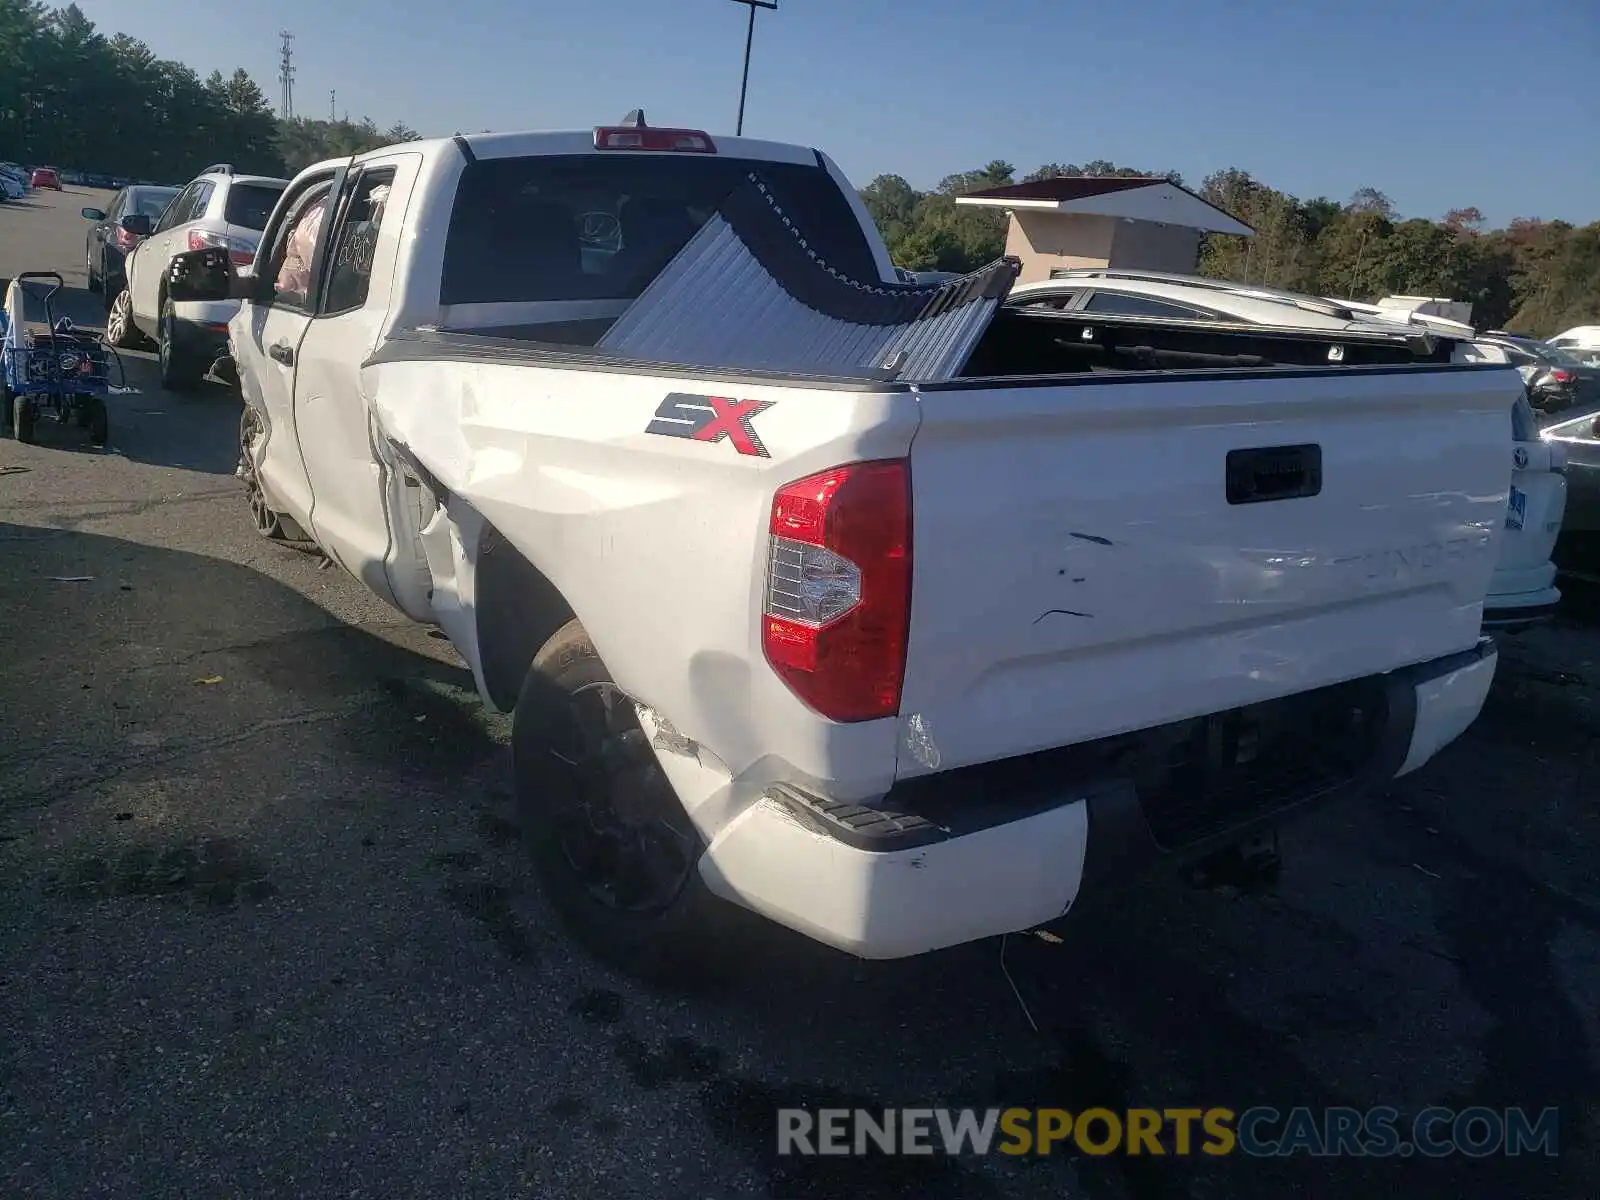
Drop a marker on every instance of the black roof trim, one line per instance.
(773, 239)
(466, 149)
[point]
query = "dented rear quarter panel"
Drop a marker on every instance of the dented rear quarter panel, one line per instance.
(658, 543)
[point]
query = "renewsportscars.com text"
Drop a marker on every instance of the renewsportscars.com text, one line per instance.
(1258, 1131)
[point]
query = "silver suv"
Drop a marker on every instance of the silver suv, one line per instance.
(217, 208)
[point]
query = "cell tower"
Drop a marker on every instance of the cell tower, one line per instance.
(286, 74)
(332, 92)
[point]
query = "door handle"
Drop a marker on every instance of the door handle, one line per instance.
(282, 352)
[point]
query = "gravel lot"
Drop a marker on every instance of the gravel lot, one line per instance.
(265, 929)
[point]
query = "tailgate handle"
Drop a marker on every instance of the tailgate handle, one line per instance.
(1274, 473)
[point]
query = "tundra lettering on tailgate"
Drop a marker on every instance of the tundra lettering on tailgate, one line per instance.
(710, 419)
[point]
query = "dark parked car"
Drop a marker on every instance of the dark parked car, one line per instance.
(117, 229)
(1556, 380)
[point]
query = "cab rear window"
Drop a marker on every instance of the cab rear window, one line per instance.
(601, 226)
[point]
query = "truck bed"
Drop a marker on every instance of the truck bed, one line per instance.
(750, 291)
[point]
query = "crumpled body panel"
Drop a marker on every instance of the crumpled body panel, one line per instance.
(749, 292)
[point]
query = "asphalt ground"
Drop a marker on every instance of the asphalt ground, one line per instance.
(266, 928)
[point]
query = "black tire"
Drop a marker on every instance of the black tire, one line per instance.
(121, 332)
(92, 414)
(22, 417)
(667, 930)
(180, 372)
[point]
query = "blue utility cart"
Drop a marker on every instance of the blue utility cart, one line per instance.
(57, 370)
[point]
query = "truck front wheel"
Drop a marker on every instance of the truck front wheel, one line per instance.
(614, 849)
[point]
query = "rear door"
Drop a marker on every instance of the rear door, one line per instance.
(1099, 557)
(352, 493)
(101, 232)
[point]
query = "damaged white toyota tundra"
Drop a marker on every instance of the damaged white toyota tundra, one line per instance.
(882, 610)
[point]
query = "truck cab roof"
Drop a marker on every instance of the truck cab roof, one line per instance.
(531, 143)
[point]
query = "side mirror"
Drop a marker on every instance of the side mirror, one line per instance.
(137, 224)
(206, 274)
(93, 214)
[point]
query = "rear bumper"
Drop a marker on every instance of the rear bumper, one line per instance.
(1009, 846)
(200, 328)
(1521, 598)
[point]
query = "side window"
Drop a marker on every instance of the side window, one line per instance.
(197, 206)
(355, 243)
(1140, 306)
(114, 211)
(292, 258)
(1061, 300)
(179, 205)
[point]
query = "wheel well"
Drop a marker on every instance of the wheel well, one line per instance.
(518, 610)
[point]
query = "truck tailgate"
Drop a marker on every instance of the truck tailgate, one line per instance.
(1108, 555)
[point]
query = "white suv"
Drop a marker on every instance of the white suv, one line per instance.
(218, 208)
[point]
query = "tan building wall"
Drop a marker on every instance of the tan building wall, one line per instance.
(1046, 241)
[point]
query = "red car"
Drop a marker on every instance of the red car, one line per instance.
(46, 177)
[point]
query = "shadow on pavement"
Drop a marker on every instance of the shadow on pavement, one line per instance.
(196, 431)
(213, 731)
(105, 639)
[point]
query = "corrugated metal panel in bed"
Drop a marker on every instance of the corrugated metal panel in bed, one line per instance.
(748, 291)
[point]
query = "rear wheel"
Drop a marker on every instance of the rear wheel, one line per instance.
(121, 332)
(22, 417)
(266, 522)
(92, 413)
(180, 371)
(615, 851)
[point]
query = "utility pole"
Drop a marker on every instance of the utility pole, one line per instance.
(749, 37)
(332, 92)
(286, 74)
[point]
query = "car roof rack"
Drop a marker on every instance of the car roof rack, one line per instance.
(218, 169)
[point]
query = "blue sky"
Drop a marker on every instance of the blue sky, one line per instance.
(1439, 105)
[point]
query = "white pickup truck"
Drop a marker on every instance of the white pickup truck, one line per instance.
(874, 608)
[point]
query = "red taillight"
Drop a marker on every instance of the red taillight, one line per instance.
(838, 600)
(240, 254)
(685, 141)
(1561, 376)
